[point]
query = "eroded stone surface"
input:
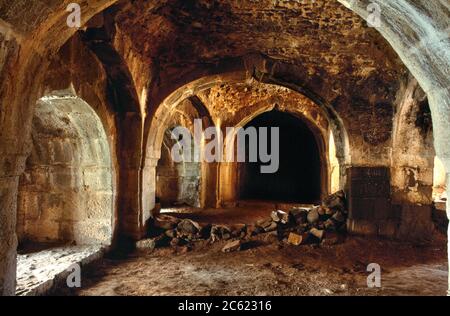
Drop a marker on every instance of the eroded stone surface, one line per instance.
(38, 273)
(66, 192)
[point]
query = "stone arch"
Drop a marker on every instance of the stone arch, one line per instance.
(312, 117)
(321, 135)
(429, 63)
(418, 32)
(66, 194)
(155, 133)
(317, 152)
(180, 182)
(182, 114)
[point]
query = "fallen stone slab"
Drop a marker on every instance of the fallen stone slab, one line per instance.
(146, 244)
(188, 229)
(232, 246)
(299, 216)
(280, 217)
(313, 216)
(295, 239)
(239, 231)
(166, 222)
(220, 232)
(267, 225)
(318, 233)
(272, 227)
(335, 201)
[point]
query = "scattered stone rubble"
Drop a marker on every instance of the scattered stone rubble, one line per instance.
(323, 224)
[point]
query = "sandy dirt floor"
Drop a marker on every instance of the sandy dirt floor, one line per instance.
(269, 267)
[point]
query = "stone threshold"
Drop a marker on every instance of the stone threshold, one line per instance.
(39, 273)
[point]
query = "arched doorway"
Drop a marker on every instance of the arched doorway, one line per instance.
(177, 183)
(299, 176)
(66, 192)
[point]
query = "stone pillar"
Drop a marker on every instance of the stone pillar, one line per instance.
(228, 194)
(8, 239)
(148, 191)
(209, 185)
(130, 153)
(12, 164)
(129, 203)
(440, 104)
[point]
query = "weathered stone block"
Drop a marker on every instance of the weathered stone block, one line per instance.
(388, 228)
(362, 227)
(369, 193)
(416, 222)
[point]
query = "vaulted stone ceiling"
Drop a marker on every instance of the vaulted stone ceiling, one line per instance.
(322, 40)
(318, 45)
(235, 103)
(322, 36)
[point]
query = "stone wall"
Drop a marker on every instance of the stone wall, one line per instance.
(66, 193)
(180, 183)
(177, 183)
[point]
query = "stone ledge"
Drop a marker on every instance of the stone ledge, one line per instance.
(39, 273)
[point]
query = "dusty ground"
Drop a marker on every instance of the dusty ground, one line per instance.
(267, 270)
(271, 268)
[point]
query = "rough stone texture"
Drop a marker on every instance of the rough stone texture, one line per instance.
(413, 152)
(416, 223)
(369, 200)
(66, 192)
(39, 273)
(179, 183)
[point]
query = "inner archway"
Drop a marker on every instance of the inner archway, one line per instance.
(298, 178)
(66, 193)
(177, 183)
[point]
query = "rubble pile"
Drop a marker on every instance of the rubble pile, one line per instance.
(323, 224)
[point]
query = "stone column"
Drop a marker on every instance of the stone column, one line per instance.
(130, 153)
(209, 185)
(12, 164)
(148, 190)
(8, 239)
(228, 194)
(439, 99)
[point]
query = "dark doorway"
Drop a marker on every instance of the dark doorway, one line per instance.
(298, 178)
